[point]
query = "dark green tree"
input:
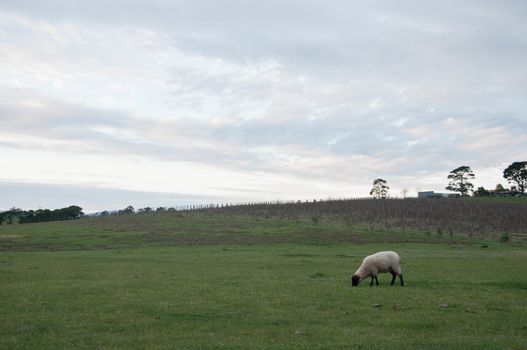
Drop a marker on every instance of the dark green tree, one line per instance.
(144, 210)
(380, 189)
(517, 172)
(459, 180)
(129, 210)
(481, 192)
(16, 215)
(500, 189)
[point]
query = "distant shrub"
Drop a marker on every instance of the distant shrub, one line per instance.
(505, 237)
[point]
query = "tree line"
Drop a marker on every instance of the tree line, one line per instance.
(17, 215)
(460, 181)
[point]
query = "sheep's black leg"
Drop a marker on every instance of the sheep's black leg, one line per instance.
(401, 278)
(371, 284)
(393, 278)
(376, 280)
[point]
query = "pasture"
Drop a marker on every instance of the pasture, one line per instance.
(215, 282)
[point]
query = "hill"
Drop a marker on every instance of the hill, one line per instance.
(337, 221)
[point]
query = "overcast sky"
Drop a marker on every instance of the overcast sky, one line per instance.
(165, 102)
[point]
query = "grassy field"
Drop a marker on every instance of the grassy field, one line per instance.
(208, 282)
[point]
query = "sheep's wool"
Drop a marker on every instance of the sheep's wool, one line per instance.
(386, 261)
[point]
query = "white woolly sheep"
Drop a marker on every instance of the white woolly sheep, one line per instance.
(387, 261)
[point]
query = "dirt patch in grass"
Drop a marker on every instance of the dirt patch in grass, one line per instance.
(11, 236)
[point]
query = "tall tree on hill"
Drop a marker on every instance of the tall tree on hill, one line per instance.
(517, 172)
(500, 189)
(481, 192)
(380, 189)
(459, 180)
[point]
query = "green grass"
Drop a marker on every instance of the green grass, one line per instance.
(107, 284)
(124, 232)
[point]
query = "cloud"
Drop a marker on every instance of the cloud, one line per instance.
(312, 92)
(362, 36)
(330, 147)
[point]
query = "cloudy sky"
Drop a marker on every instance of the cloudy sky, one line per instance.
(166, 102)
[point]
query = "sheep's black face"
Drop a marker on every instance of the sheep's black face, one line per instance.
(355, 279)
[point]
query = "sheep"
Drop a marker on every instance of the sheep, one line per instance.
(386, 261)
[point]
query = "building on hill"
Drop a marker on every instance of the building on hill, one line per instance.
(432, 194)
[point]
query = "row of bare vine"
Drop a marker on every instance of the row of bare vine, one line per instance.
(443, 216)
